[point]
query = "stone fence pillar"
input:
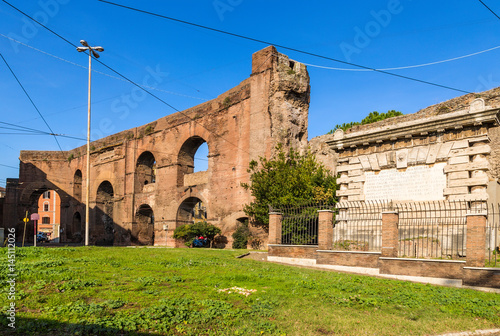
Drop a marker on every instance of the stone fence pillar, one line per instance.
(275, 220)
(325, 229)
(390, 220)
(476, 239)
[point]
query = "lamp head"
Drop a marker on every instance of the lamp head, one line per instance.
(101, 49)
(84, 43)
(80, 49)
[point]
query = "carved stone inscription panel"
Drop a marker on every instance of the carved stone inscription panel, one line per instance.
(416, 183)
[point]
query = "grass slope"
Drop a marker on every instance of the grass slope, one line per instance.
(122, 291)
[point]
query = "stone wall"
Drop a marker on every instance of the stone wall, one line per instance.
(435, 154)
(142, 181)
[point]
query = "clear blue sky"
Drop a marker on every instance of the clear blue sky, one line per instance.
(192, 65)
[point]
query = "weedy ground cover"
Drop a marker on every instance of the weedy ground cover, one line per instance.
(154, 291)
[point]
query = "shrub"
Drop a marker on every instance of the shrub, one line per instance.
(241, 235)
(189, 232)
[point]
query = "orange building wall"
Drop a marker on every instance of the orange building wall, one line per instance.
(54, 212)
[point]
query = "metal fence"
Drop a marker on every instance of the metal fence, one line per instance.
(358, 225)
(300, 222)
(433, 229)
(493, 236)
(425, 230)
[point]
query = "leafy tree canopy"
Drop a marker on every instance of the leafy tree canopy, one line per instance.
(289, 179)
(371, 118)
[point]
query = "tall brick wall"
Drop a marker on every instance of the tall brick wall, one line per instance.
(239, 126)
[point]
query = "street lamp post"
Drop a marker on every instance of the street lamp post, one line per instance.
(92, 51)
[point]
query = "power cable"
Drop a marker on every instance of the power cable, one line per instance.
(31, 100)
(21, 127)
(498, 17)
(281, 46)
(96, 71)
(404, 67)
(127, 79)
(37, 132)
(3, 165)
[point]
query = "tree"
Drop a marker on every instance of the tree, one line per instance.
(289, 178)
(370, 118)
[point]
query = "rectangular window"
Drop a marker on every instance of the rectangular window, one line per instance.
(46, 194)
(46, 207)
(45, 220)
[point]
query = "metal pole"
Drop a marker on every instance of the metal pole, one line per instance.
(87, 197)
(25, 220)
(35, 229)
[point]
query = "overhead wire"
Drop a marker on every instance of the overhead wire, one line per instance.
(124, 77)
(4, 165)
(97, 71)
(404, 67)
(491, 10)
(31, 100)
(282, 46)
(38, 132)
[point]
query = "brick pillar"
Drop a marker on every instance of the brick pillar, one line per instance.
(275, 219)
(390, 220)
(325, 229)
(476, 239)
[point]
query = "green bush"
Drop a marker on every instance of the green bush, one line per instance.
(241, 235)
(189, 232)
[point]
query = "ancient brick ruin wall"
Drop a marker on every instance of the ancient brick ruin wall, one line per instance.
(239, 126)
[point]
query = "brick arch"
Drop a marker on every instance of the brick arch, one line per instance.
(145, 170)
(187, 204)
(185, 156)
(104, 227)
(77, 185)
(32, 191)
(143, 231)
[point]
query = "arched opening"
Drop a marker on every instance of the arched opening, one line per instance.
(201, 158)
(145, 171)
(190, 211)
(77, 185)
(76, 228)
(48, 208)
(145, 220)
(104, 228)
(186, 160)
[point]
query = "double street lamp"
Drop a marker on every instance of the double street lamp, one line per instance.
(92, 51)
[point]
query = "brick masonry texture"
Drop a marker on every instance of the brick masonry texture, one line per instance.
(240, 125)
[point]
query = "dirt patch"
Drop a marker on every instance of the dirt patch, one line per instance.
(260, 256)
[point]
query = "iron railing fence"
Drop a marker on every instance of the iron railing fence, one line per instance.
(300, 222)
(358, 225)
(429, 230)
(493, 236)
(433, 229)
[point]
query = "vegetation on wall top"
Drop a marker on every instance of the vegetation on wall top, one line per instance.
(370, 118)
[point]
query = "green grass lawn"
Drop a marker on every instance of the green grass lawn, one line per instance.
(122, 291)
